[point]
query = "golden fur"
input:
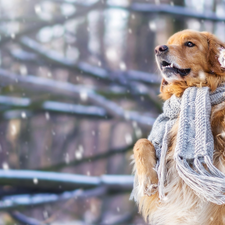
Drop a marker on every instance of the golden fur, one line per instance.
(181, 205)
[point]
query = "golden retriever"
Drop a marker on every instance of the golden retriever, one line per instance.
(189, 58)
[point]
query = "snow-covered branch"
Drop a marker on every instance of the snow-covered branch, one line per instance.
(162, 8)
(55, 182)
(36, 84)
(86, 69)
(21, 201)
(178, 11)
(17, 105)
(58, 182)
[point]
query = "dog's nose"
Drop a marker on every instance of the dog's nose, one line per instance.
(161, 48)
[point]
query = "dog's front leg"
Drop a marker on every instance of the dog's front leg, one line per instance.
(145, 161)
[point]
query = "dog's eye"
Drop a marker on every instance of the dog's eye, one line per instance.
(189, 44)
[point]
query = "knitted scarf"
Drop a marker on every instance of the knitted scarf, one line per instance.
(194, 145)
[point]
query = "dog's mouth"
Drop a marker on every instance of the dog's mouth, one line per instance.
(171, 68)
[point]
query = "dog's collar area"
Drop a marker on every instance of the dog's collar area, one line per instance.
(171, 66)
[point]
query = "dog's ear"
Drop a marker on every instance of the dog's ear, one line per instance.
(216, 54)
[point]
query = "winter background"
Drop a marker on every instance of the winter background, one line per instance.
(78, 87)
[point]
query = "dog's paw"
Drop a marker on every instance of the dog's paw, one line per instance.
(145, 161)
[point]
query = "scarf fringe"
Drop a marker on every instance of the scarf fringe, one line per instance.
(204, 178)
(161, 171)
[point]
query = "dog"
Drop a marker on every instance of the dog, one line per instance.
(190, 58)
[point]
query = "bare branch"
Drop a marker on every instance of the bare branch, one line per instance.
(89, 159)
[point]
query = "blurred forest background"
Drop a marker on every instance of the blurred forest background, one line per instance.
(79, 85)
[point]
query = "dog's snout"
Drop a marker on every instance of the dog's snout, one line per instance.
(161, 48)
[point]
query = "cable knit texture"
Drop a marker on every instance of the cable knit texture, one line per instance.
(195, 144)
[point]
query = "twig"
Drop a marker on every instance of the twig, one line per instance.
(89, 159)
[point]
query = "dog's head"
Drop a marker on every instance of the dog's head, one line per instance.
(190, 58)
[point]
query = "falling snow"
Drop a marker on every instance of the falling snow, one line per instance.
(5, 166)
(35, 180)
(123, 66)
(23, 115)
(128, 139)
(83, 96)
(152, 26)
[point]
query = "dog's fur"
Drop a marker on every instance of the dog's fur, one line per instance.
(181, 205)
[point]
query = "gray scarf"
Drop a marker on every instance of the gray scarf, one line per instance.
(195, 144)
